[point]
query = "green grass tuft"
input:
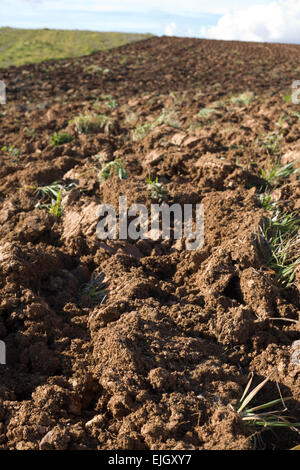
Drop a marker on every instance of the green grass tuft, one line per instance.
(167, 116)
(275, 172)
(208, 113)
(60, 138)
(92, 123)
(281, 234)
(244, 99)
(272, 142)
(263, 415)
(158, 190)
(107, 170)
(51, 197)
(55, 207)
(96, 289)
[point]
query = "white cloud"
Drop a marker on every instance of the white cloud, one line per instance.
(278, 21)
(172, 29)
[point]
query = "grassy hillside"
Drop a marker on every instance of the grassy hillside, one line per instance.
(23, 46)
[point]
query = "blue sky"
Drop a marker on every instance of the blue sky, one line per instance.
(257, 20)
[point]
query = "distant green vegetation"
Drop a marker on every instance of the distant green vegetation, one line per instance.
(24, 46)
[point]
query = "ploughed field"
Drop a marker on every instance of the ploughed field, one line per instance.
(124, 344)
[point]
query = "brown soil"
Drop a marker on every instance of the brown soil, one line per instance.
(162, 363)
